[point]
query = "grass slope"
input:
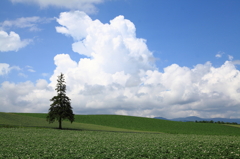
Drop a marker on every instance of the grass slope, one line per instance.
(39, 120)
(150, 124)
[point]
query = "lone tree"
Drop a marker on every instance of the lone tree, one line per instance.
(60, 108)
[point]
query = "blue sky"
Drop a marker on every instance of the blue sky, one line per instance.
(171, 59)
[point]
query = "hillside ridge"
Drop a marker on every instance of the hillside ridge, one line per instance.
(127, 123)
(195, 118)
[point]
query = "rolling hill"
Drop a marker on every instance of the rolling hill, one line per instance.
(120, 123)
(194, 118)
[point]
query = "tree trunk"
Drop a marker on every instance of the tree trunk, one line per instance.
(60, 123)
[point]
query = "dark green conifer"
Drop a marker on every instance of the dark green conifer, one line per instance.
(60, 108)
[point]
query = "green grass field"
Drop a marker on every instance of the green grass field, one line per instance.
(28, 135)
(39, 120)
(131, 123)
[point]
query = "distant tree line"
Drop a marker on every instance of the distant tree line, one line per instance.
(218, 122)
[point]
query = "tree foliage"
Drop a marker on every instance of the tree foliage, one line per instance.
(60, 109)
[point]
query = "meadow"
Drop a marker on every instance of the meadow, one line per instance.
(21, 138)
(132, 123)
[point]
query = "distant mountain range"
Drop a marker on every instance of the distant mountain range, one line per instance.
(194, 118)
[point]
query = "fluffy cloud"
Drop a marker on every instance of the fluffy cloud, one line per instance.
(26, 22)
(11, 41)
(219, 54)
(114, 44)
(5, 68)
(25, 97)
(84, 5)
(118, 76)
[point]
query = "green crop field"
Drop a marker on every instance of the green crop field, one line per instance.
(52, 143)
(28, 135)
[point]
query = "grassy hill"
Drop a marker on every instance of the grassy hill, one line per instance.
(39, 120)
(121, 123)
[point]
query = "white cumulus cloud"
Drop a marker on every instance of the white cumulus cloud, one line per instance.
(84, 5)
(11, 41)
(25, 97)
(114, 44)
(118, 76)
